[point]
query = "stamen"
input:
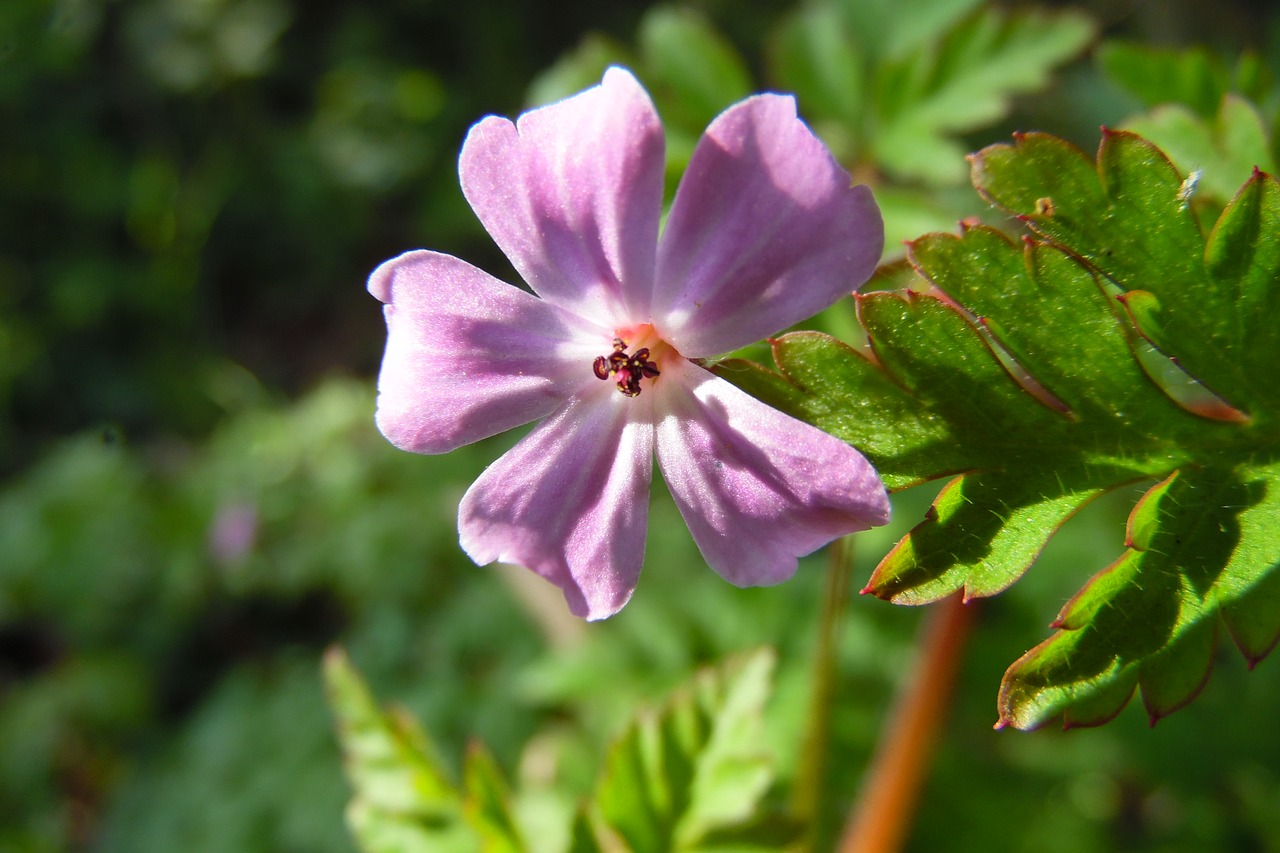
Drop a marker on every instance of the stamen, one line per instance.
(629, 369)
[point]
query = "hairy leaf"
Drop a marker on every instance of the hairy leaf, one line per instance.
(1028, 375)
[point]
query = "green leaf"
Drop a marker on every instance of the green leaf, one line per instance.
(1207, 546)
(1022, 377)
(696, 72)
(403, 801)
(487, 806)
(1126, 219)
(894, 28)
(814, 55)
(893, 83)
(1221, 151)
(1203, 544)
(965, 83)
(692, 769)
(1192, 77)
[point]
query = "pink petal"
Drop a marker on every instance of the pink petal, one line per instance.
(572, 193)
(469, 356)
(571, 501)
(765, 231)
(757, 488)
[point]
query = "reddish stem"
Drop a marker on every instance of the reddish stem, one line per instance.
(878, 821)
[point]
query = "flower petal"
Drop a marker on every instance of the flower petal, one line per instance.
(469, 356)
(570, 501)
(765, 231)
(757, 488)
(572, 193)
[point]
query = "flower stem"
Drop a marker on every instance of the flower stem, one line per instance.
(811, 779)
(879, 820)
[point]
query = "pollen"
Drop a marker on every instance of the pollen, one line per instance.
(628, 369)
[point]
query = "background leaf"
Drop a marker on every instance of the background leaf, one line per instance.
(965, 82)
(1193, 77)
(402, 801)
(693, 767)
(1221, 151)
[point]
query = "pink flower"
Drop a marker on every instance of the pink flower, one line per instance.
(765, 231)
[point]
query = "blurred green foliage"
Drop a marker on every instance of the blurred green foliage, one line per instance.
(196, 503)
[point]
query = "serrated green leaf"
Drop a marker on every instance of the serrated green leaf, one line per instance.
(835, 387)
(1023, 375)
(1243, 257)
(894, 28)
(1127, 221)
(692, 768)
(814, 55)
(1207, 545)
(892, 83)
(983, 532)
(941, 401)
(403, 801)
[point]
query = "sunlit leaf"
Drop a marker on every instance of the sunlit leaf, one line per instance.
(1024, 377)
(487, 805)
(1217, 153)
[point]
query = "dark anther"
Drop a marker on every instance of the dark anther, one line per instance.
(629, 369)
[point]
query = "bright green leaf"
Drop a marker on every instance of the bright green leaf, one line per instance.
(1126, 219)
(487, 801)
(1023, 378)
(1209, 545)
(1221, 152)
(403, 801)
(964, 83)
(894, 28)
(691, 769)
(813, 55)
(892, 83)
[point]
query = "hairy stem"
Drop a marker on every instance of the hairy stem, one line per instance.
(878, 821)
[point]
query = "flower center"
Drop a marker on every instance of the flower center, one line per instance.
(628, 368)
